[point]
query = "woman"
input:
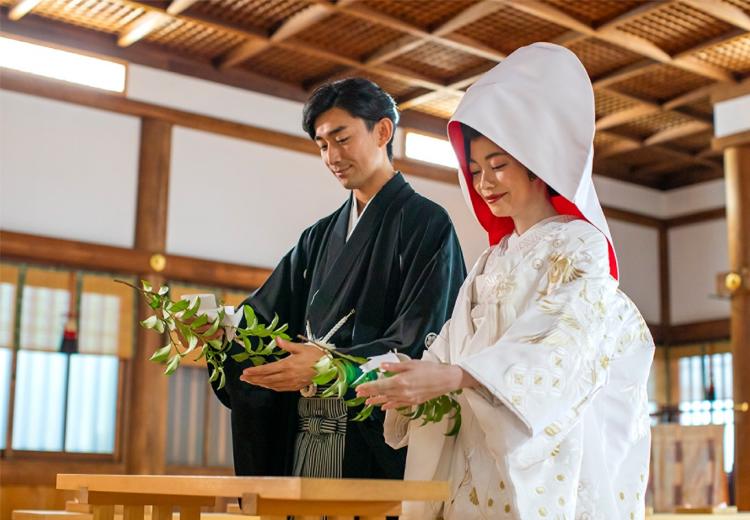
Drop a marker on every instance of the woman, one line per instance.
(552, 358)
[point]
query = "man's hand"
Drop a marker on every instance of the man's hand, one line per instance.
(290, 374)
(415, 382)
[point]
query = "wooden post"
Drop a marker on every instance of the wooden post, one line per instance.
(147, 418)
(737, 165)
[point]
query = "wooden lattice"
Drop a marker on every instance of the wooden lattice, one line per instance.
(434, 60)
(349, 36)
(508, 29)
(260, 15)
(662, 83)
(608, 103)
(194, 39)
(426, 14)
(100, 15)
(595, 12)
(275, 62)
(676, 27)
(649, 125)
(441, 107)
(601, 58)
(694, 143)
(733, 55)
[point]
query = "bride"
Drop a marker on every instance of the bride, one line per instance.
(552, 357)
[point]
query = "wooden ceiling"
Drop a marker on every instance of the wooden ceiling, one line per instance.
(654, 64)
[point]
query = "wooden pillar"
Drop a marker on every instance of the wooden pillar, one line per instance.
(146, 427)
(737, 171)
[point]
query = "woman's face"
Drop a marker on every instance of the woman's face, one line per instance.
(501, 181)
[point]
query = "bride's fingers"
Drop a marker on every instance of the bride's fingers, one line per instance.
(377, 400)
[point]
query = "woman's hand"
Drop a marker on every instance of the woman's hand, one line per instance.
(415, 382)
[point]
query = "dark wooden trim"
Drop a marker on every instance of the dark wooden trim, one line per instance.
(71, 253)
(86, 255)
(665, 303)
(657, 333)
(153, 184)
(632, 217)
(710, 330)
(721, 143)
(693, 218)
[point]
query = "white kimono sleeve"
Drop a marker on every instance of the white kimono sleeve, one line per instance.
(396, 424)
(553, 358)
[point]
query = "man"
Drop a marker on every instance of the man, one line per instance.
(388, 254)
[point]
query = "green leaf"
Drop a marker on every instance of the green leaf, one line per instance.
(215, 343)
(364, 413)
(201, 320)
(456, 424)
(222, 380)
(159, 327)
(274, 322)
(146, 286)
(325, 377)
(161, 355)
(258, 360)
(214, 375)
(356, 401)
(213, 328)
(172, 365)
(192, 309)
(242, 356)
(192, 343)
(250, 319)
(154, 302)
(179, 306)
(150, 322)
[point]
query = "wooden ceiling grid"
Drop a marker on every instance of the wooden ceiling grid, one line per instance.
(654, 64)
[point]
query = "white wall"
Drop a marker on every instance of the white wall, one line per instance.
(236, 201)
(732, 116)
(638, 258)
(214, 99)
(67, 171)
(696, 253)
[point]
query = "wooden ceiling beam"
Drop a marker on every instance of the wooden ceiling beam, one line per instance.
(723, 11)
(467, 16)
(178, 6)
(401, 75)
(625, 116)
(142, 27)
(453, 41)
(21, 8)
(457, 84)
(410, 42)
(620, 38)
(677, 132)
(291, 27)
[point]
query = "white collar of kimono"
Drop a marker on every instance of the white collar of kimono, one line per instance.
(355, 216)
(538, 105)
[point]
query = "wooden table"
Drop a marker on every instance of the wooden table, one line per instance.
(267, 497)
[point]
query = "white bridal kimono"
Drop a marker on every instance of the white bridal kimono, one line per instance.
(559, 428)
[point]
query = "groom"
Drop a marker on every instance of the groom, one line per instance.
(388, 254)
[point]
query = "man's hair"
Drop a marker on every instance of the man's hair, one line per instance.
(470, 134)
(360, 97)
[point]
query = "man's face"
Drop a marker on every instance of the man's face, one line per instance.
(348, 148)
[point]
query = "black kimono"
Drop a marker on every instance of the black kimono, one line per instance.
(400, 271)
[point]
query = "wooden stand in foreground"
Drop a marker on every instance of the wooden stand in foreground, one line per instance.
(267, 497)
